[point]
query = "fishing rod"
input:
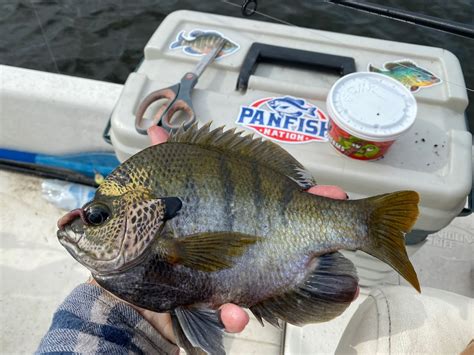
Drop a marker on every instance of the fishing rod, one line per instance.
(249, 7)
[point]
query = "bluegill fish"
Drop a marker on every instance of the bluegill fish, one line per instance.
(212, 217)
(408, 73)
(200, 42)
(290, 106)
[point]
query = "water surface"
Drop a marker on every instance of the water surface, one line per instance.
(104, 39)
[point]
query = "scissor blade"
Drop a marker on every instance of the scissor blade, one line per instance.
(209, 58)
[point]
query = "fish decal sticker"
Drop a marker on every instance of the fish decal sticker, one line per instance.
(408, 73)
(290, 106)
(200, 42)
(285, 119)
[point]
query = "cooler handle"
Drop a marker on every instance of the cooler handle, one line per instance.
(260, 52)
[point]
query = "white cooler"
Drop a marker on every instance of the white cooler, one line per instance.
(271, 63)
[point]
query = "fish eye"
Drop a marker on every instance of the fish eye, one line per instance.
(96, 215)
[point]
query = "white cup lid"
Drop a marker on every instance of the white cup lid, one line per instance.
(371, 106)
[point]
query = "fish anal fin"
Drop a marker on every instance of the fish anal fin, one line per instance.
(265, 153)
(390, 217)
(325, 293)
(207, 251)
(200, 330)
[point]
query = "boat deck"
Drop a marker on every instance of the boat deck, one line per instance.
(37, 273)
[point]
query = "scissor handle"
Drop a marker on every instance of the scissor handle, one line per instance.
(179, 99)
(182, 102)
(169, 93)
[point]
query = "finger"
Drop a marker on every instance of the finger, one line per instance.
(160, 321)
(330, 191)
(234, 318)
(157, 135)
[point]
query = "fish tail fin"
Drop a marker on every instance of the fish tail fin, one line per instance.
(392, 215)
(374, 69)
(179, 41)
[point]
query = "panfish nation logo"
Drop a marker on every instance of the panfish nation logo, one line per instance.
(285, 119)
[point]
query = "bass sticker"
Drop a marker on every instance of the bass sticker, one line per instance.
(200, 42)
(408, 73)
(285, 119)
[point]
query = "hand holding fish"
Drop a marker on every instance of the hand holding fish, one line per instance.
(233, 317)
(208, 220)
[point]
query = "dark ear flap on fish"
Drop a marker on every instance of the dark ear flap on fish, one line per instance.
(265, 153)
(326, 292)
(172, 206)
(206, 251)
(198, 328)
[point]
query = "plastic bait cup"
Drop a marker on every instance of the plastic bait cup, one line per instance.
(368, 112)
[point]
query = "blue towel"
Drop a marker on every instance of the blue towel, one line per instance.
(92, 321)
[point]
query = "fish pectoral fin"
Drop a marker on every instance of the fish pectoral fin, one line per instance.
(208, 251)
(325, 293)
(198, 330)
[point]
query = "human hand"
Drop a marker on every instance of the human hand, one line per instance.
(233, 317)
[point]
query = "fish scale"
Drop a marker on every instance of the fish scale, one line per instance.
(229, 220)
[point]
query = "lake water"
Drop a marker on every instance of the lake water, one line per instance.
(104, 39)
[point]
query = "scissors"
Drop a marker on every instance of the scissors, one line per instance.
(178, 96)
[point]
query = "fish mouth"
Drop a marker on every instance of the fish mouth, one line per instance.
(70, 245)
(70, 233)
(70, 227)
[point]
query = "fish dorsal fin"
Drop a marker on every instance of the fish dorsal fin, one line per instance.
(408, 63)
(391, 65)
(264, 152)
